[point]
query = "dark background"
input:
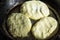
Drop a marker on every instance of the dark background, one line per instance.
(3, 9)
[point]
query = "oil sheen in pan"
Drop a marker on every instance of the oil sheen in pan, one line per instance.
(16, 9)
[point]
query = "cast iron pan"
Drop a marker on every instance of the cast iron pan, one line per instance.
(12, 6)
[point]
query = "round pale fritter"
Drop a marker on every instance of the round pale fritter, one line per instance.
(35, 9)
(19, 25)
(45, 28)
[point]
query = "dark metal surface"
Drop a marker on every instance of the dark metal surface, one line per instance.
(7, 5)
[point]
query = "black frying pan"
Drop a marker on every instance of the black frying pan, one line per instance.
(11, 5)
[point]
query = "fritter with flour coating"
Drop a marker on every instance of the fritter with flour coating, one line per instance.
(45, 28)
(19, 25)
(35, 9)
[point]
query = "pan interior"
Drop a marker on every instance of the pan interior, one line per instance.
(16, 9)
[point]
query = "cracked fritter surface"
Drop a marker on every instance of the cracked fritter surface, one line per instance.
(45, 28)
(19, 25)
(35, 9)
